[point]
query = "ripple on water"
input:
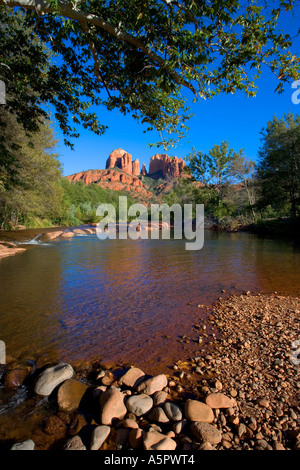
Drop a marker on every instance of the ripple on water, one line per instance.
(85, 298)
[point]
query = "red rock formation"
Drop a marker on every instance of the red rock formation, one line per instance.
(144, 171)
(123, 160)
(136, 167)
(161, 165)
(121, 173)
(113, 179)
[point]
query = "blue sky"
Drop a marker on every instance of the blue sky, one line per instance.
(234, 118)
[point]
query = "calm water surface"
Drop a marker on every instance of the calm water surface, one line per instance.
(83, 298)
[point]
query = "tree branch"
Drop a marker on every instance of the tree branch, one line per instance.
(93, 50)
(67, 10)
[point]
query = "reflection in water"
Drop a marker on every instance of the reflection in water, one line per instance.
(85, 298)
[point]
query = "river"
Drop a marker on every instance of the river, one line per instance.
(129, 300)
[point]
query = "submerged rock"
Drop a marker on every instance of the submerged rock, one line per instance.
(14, 378)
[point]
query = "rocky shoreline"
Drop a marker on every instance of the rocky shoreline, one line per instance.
(10, 247)
(241, 391)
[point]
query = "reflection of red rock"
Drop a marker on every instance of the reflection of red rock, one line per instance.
(123, 160)
(163, 166)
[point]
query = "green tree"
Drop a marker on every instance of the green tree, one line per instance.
(278, 169)
(242, 172)
(29, 178)
(137, 55)
(212, 168)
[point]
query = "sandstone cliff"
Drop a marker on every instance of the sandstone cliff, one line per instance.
(122, 174)
(123, 160)
(163, 166)
(113, 179)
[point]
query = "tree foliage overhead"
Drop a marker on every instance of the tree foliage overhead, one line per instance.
(137, 55)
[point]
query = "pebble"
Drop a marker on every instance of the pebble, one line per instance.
(132, 378)
(70, 394)
(157, 441)
(152, 385)
(206, 446)
(173, 411)
(179, 426)
(157, 414)
(112, 406)
(28, 444)
(75, 443)
(205, 432)
(53, 376)
(14, 378)
(263, 402)
(98, 437)
(160, 397)
(256, 409)
(135, 438)
(262, 444)
(198, 411)
(219, 400)
(139, 404)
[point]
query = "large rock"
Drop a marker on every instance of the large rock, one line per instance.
(70, 394)
(161, 165)
(53, 376)
(51, 235)
(144, 171)
(24, 445)
(98, 437)
(132, 377)
(139, 404)
(152, 385)
(112, 406)
(154, 440)
(67, 235)
(205, 432)
(79, 231)
(121, 159)
(136, 167)
(219, 400)
(115, 180)
(197, 411)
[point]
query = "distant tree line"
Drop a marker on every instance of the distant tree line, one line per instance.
(237, 191)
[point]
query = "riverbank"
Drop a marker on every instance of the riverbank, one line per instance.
(240, 391)
(14, 242)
